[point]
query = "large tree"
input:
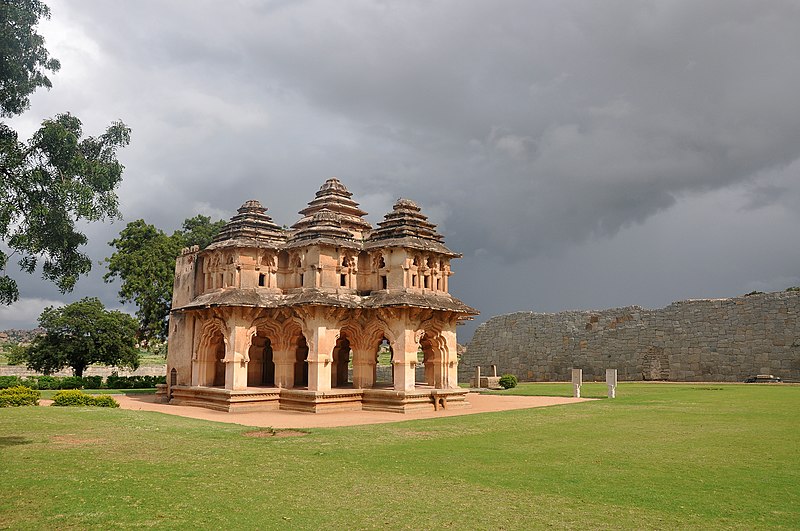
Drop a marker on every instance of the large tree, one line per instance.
(80, 334)
(144, 261)
(57, 178)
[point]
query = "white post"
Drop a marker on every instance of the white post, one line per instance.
(478, 376)
(611, 382)
(577, 380)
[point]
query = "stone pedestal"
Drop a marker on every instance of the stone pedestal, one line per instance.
(577, 381)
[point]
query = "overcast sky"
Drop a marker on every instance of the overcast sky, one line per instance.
(580, 155)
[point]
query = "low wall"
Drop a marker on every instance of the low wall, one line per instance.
(694, 340)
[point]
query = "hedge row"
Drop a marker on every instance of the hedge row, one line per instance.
(19, 396)
(75, 397)
(87, 382)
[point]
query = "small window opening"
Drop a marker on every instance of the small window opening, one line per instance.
(426, 281)
(382, 262)
(413, 281)
(438, 284)
(261, 279)
(384, 282)
(221, 281)
(302, 280)
(343, 280)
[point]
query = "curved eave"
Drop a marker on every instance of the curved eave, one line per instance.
(247, 243)
(386, 298)
(332, 242)
(258, 298)
(410, 242)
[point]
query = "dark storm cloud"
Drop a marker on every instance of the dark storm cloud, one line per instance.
(528, 130)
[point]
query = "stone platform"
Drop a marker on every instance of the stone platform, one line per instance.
(422, 398)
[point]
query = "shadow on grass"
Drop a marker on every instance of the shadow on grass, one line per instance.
(13, 440)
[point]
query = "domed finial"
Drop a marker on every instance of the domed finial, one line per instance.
(253, 205)
(406, 204)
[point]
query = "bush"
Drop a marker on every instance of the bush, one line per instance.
(71, 397)
(70, 382)
(133, 382)
(508, 381)
(92, 382)
(19, 396)
(75, 397)
(9, 381)
(46, 382)
(104, 401)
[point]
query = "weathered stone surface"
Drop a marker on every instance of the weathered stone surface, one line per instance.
(310, 308)
(695, 340)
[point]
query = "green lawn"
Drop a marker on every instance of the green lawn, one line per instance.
(660, 456)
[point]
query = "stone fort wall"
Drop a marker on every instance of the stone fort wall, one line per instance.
(694, 340)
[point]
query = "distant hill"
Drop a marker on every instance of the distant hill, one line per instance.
(19, 336)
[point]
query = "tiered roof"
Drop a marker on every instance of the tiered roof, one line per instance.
(325, 226)
(250, 227)
(334, 197)
(334, 218)
(406, 226)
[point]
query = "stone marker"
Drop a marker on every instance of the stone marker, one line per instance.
(611, 381)
(577, 380)
(494, 370)
(478, 376)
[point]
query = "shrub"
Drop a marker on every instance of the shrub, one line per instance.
(71, 397)
(508, 381)
(133, 382)
(47, 382)
(104, 401)
(9, 381)
(70, 382)
(19, 396)
(92, 382)
(75, 397)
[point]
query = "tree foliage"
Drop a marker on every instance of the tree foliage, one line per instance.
(55, 180)
(80, 334)
(144, 262)
(24, 60)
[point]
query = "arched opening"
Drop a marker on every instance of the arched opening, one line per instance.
(342, 353)
(261, 368)
(300, 364)
(384, 374)
(211, 371)
(428, 358)
(173, 381)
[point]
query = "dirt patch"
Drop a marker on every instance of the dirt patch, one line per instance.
(274, 420)
(275, 433)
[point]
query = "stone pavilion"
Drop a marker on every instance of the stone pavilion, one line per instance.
(272, 318)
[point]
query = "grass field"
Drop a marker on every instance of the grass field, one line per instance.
(661, 456)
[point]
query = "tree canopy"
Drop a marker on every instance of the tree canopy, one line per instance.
(144, 262)
(80, 334)
(24, 61)
(57, 178)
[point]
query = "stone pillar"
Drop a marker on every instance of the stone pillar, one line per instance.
(478, 376)
(611, 382)
(284, 367)
(405, 361)
(320, 357)
(236, 357)
(363, 368)
(577, 381)
(494, 371)
(450, 360)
